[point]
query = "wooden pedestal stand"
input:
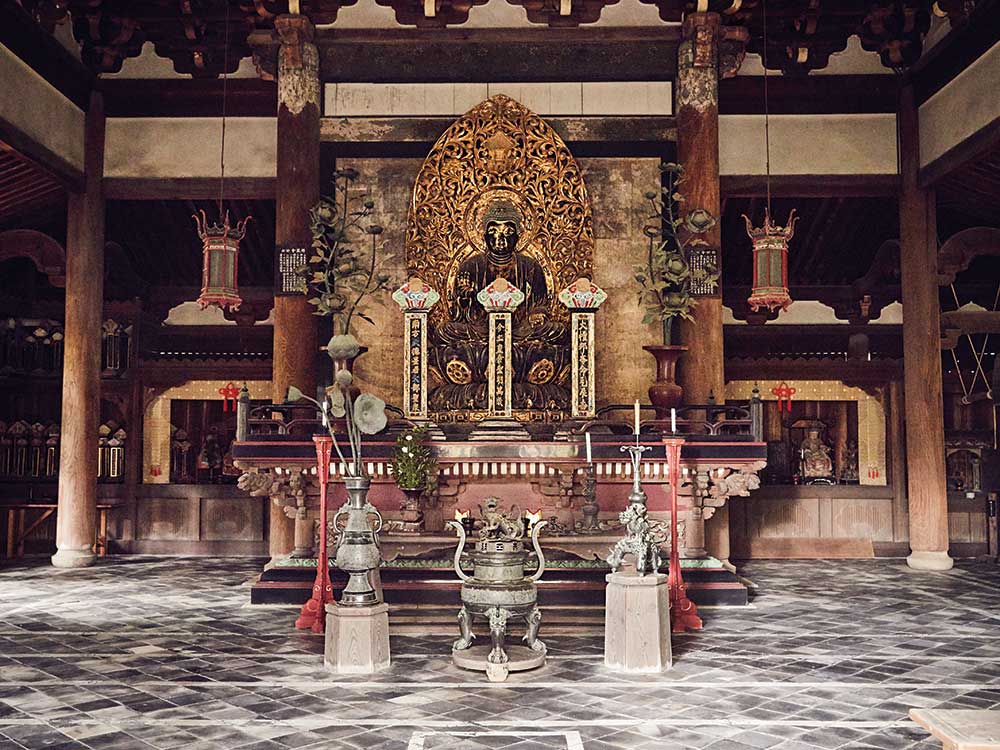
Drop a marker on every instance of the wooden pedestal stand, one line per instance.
(683, 613)
(313, 613)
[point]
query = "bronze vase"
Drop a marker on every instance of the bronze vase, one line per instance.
(410, 511)
(664, 393)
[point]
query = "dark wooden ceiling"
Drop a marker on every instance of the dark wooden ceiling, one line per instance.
(802, 34)
(970, 196)
(25, 188)
(160, 241)
(835, 238)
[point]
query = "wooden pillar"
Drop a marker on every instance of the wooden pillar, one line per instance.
(897, 457)
(700, 371)
(925, 470)
(295, 344)
(81, 386)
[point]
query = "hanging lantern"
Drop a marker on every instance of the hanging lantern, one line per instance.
(220, 261)
(770, 263)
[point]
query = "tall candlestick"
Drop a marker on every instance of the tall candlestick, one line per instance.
(673, 420)
(590, 458)
(636, 417)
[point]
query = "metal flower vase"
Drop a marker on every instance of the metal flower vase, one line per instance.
(358, 552)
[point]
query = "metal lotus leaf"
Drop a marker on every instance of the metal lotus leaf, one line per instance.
(675, 268)
(324, 212)
(369, 414)
(699, 221)
(338, 404)
(294, 394)
(343, 346)
(678, 303)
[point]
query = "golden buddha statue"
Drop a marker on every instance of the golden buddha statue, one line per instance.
(540, 344)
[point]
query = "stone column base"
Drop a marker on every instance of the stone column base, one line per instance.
(929, 560)
(637, 623)
(357, 639)
(66, 557)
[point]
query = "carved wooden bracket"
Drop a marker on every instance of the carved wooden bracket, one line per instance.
(48, 255)
(958, 252)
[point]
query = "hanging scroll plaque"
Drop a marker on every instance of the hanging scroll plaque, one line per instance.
(704, 271)
(287, 261)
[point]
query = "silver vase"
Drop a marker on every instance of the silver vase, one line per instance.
(357, 548)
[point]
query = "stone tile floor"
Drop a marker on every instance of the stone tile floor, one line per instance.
(143, 652)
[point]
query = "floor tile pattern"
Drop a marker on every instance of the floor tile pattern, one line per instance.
(142, 652)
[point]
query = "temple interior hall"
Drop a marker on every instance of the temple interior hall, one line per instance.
(499, 374)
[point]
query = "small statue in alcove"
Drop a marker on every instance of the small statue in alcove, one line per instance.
(210, 457)
(814, 456)
(849, 468)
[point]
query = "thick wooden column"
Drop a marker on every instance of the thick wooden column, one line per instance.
(925, 470)
(295, 345)
(700, 371)
(81, 387)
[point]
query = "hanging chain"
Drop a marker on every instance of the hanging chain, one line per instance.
(767, 123)
(225, 79)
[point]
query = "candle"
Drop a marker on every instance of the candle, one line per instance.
(673, 420)
(636, 431)
(590, 458)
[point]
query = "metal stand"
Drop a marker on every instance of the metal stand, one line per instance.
(638, 541)
(637, 495)
(313, 615)
(683, 613)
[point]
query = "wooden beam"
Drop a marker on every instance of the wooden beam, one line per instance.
(498, 55)
(809, 95)
(187, 97)
(875, 373)
(42, 156)
(976, 145)
(426, 130)
(194, 188)
(811, 185)
(961, 47)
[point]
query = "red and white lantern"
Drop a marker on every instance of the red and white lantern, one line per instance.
(220, 261)
(770, 263)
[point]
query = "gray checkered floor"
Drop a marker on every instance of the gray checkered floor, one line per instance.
(165, 653)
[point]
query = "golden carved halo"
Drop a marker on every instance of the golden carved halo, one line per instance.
(499, 150)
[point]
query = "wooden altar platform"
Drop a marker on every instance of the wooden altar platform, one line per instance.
(547, 474)
(433, 582)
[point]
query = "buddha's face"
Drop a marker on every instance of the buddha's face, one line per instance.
(501, 240)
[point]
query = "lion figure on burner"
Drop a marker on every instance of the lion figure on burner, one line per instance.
(497, 524)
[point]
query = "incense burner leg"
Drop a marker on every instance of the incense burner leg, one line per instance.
(465, 628)
(534, 620)
(498, 631)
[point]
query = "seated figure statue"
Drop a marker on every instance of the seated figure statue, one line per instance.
(815, 456)
(540, 344)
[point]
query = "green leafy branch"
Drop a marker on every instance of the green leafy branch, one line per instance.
(666, 278)
(341, 278)
(413, 464)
